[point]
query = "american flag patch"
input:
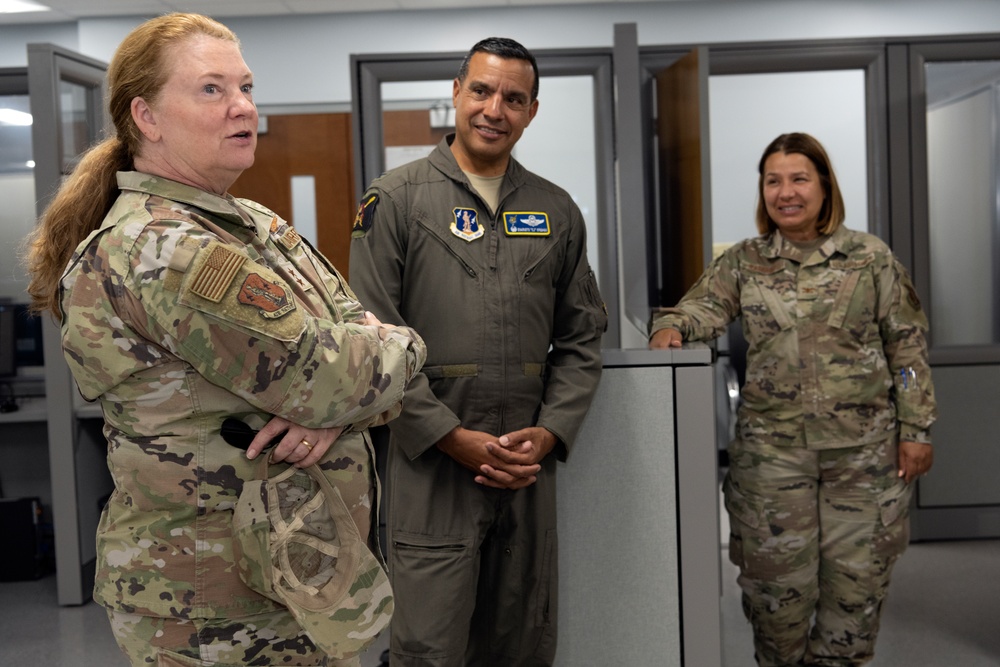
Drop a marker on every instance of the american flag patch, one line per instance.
(216, 274)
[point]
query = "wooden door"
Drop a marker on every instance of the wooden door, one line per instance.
(682, 126)
(317, 145)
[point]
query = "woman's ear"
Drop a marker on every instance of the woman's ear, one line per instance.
(145, 119)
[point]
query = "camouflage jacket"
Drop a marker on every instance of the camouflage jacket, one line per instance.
(185, 308)
(507, 302)
(836, 350)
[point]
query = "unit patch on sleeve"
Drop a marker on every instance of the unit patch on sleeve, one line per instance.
(269, 297)
(366, 212)
(466, 224)
(526, 223)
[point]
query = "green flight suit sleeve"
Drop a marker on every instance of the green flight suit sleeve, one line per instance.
(378, 251)
(574, 360)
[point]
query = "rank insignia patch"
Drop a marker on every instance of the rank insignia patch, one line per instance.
(290, 238)
(363, 220)
(526, 223)
(466, 224)
(269, 297)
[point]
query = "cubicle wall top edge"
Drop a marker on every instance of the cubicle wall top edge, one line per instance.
(692, 354)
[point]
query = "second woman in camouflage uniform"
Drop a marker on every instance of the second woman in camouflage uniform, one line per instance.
(836, 407)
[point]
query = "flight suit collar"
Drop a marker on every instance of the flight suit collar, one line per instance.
(442, 159)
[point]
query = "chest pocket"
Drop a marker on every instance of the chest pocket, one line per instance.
(854, 304)
(761, 300)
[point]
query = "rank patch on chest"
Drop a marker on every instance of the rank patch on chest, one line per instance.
(526, 223)
(466, 224)
(290, 238)
(269, 297)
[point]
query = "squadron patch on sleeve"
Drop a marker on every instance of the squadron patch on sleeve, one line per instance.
(466, 224)
(269, 297)
(526, 223)
(366, 212)
(214, 276)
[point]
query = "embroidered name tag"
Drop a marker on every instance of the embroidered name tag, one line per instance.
(526, 223)
(466, 224)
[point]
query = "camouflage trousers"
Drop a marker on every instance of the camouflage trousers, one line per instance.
(815, 535)
(265, 639)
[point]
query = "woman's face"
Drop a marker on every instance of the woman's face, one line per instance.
(793, 195)
(202, 129)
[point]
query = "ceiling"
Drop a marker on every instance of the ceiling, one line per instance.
(72, 10)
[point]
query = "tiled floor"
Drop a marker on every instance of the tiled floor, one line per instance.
(942, 612)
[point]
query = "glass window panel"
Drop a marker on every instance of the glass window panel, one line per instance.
(17, 191)
(75, 120)
(15, 134)
(962, 152)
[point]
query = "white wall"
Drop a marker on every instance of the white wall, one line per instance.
(305, 59)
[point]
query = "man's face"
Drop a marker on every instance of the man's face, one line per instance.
(493, 105)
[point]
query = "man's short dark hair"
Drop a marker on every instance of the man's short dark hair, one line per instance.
(504, 48)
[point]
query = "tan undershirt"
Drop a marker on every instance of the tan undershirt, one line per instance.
(488, 188)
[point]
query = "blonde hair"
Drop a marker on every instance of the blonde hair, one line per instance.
(831, 214)
(139, 68)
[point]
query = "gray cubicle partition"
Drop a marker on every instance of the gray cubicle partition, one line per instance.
(639, 555)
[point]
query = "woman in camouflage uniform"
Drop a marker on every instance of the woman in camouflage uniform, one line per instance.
(182, 306)
(836, 408)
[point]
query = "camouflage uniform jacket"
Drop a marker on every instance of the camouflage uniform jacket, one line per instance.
(511, 312)
(185, 308)
(836, 350)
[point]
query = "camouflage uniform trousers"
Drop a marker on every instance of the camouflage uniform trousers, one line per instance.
(815, 535)
(264, 639)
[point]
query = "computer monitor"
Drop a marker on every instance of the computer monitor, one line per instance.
(29, 350)
(8, 344)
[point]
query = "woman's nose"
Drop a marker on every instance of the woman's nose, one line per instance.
(243, 105)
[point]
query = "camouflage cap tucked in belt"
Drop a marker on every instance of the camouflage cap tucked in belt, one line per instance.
(296, 543)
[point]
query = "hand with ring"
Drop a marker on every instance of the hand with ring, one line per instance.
(299, 446)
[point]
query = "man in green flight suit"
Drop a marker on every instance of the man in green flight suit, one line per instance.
(488, 262)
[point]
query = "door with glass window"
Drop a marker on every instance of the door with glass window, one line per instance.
(955, 128)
